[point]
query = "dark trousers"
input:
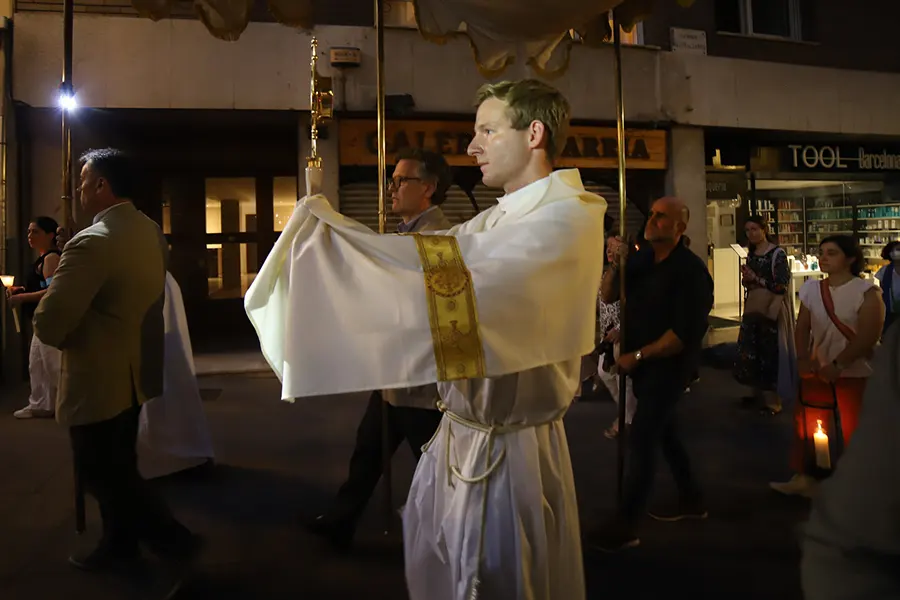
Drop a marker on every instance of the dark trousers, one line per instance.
(132, 511)
(415, 425)
(655, 427)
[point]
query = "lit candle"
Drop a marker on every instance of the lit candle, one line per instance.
(8, 281)
(823, 457)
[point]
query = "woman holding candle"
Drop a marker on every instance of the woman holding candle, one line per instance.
(43, 360)
(839, 325)
(765, 356)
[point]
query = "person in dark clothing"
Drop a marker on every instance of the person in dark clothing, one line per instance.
(43, 360)
(418, 187)
(669, 296)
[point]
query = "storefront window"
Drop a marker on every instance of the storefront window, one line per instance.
(284, 200)
(231, 268)
(804, 212)
(230, 205)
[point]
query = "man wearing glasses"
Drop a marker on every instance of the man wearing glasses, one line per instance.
(417, 187)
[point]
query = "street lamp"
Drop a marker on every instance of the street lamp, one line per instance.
(66, 99)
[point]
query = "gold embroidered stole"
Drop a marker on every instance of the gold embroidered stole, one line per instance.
(452, 313)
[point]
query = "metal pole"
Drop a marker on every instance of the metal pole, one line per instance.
(66, 88)
(382, 225)
(620, 135)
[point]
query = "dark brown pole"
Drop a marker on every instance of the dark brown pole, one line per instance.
(66, 94)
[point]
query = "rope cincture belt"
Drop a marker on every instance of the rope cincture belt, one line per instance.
(484, 478)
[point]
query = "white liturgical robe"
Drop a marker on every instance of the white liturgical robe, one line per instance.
(173, 433)
(499, 311)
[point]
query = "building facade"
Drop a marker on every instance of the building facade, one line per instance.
(222, 127)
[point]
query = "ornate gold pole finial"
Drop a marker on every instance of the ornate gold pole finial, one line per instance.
(321, 109)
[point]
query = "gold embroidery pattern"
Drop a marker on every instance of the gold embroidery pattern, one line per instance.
(451, 308)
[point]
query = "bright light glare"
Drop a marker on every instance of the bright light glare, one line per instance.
(68, 102)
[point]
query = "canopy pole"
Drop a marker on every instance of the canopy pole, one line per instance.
(620, 135)
(66, 104)
(66, 93)
(386, 453)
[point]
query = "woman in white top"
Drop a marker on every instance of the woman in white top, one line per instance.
(837, 329)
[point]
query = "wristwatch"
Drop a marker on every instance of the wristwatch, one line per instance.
(638, 355)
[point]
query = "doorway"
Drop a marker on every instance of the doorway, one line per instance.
(220, 229)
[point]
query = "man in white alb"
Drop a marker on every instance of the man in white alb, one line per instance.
(499, 311)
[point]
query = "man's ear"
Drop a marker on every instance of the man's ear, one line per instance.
(430, 189)
(537, 135)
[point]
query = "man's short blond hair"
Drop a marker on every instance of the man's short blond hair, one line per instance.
(531, 100)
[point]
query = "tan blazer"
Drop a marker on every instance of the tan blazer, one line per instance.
(103, 309)
(425, 396)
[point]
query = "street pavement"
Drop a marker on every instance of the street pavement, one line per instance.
(278, 463)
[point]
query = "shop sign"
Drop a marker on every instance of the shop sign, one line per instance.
(725, 186)
(841, 158)
(585, 147)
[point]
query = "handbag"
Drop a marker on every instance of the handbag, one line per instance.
(760, 301)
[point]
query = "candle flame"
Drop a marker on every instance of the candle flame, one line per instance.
(819, 428)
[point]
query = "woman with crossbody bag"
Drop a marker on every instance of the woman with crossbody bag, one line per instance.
(765, 359)
(837, 330)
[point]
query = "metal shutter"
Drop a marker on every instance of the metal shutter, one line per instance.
(359, 201)
(634, 218)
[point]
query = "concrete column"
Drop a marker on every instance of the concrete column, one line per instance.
(328, 150)
(686, 179)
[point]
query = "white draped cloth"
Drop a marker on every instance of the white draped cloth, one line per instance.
(332, 291)
(173, 434)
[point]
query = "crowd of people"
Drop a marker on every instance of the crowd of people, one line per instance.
(477, 389)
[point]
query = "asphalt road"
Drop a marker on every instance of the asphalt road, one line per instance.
(278, 462)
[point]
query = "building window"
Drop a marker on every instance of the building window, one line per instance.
(635, 37)
(786, 19)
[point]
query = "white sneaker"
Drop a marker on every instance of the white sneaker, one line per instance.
(798, 485)
(32, 413)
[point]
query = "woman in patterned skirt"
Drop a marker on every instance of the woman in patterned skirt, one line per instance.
(760, 353)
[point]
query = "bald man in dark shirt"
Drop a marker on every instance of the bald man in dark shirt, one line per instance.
(669, 296)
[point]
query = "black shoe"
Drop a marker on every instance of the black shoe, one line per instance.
(337, 532)
(682, 511)
(103, 559)
(615, 536)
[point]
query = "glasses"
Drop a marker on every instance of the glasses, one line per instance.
(397, 182)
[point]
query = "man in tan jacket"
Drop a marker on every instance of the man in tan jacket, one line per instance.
(103, 309)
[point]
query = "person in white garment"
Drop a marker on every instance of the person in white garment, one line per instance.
(173, 433)
(610, 321)
(498, 311)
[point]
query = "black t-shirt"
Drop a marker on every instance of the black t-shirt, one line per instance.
(35, 282)
(675, 294)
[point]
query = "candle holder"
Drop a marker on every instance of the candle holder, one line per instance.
(8, 281)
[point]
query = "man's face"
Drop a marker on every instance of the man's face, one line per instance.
(88, 187)
(501, 151)
(664, 224)
(410, 195)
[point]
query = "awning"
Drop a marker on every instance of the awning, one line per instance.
(498, 30)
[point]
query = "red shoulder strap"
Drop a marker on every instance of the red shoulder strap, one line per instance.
(828, 302)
